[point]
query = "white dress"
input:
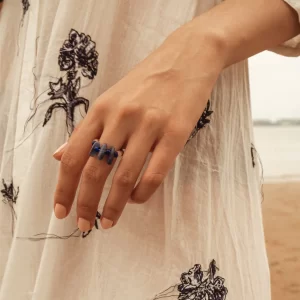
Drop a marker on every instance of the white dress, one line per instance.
(200, 237)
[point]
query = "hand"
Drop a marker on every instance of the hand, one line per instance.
(152, 109)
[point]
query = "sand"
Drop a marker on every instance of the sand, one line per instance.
(281, 210)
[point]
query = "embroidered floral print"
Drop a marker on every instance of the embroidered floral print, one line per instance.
(252, 155)
(10, 196)
(9, 193)
(77, 56)
(202, 121)
(79, 52)
(26, 5)
(197, 285)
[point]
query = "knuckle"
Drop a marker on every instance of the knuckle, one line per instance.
(178, 130)
(92, 173)
(102, 104)
(129, 110)
(155, 117)
(68, 162)
(85, 209)
(60, 194)
(112, 212)
(124, 178)
(153, 179)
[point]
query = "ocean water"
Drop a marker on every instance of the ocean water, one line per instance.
(279, 150)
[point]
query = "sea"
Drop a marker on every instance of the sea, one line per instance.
(279, 151)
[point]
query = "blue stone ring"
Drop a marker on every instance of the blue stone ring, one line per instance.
(101, 150)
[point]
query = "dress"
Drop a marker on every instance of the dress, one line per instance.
(200, 236)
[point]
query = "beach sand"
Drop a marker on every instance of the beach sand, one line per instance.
(281, 210)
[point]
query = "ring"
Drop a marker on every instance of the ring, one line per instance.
(100, 150)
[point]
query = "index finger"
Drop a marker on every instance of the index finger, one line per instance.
(72, 163)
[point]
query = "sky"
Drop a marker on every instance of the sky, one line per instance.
(275, 86)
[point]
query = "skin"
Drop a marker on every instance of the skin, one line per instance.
(155, 107)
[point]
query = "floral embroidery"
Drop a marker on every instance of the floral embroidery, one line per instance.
(256, 158)
(197, 285)
(77, 56)
(78, 53)
(252, 155)
(202, 121)
(9, 193)
(26, 5)
(10, 196)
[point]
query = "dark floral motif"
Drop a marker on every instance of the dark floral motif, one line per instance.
(202, 121)
(197, 285)
(79, 52)
(252, 155)
(10, 196)
(77, 56)
(9, 193)
(67, 92)
(26, 5)
(98, 216)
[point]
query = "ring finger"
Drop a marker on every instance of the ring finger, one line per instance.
(126, 177)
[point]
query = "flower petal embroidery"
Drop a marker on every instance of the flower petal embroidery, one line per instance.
(77, 56)
(197, 285)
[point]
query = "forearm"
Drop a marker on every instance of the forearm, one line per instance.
(238, 29)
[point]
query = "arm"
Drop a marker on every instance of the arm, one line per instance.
(238, 29)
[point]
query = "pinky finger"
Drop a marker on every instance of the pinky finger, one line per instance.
(161, 162)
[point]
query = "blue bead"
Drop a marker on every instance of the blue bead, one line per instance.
(102, 151)
(95, 149)
(111, 156)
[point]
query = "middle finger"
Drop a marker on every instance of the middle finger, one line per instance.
(93, 179)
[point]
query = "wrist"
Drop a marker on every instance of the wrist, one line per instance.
(200, 46)
(195, 54)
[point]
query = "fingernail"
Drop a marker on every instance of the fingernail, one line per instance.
(106, 223)
(60, 149)
(60, 211)
(84, 225)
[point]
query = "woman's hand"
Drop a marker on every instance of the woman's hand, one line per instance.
(155, 107)
(152, 109)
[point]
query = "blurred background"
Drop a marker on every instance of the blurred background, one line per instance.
(275, 93)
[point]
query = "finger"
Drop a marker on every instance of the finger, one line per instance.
(161, 161)
(126, 176)
(94, 176)
(60, 151)
(96, 172)
(74, 158)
